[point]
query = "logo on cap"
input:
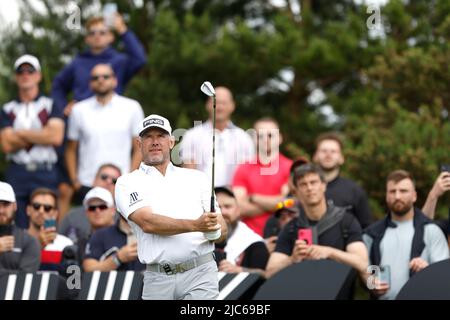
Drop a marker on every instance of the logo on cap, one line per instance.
(153, 121)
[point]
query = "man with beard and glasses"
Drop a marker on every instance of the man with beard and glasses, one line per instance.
(342, 191)
(18, 250)
(102, 129)
(405, 240)
(244, 250)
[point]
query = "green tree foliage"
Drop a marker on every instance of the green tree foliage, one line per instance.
(388, 90)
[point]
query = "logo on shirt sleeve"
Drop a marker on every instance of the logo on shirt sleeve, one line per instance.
(134, 198)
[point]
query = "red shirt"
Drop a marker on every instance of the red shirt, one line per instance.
(265, 180)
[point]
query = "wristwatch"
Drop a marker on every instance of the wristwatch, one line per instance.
(116, 260)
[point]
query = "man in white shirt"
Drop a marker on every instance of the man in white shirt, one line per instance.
(233, 145)
(102, 129)
(168, 209)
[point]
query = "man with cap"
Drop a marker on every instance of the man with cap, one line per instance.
(30, 129)
(244, 249)
(18, 250)
(102, 129)
(100, 211)
(168, 209)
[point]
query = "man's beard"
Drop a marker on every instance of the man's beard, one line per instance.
(4, 221)
(403, 210)
(103, 93)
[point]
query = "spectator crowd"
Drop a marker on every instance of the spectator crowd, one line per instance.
(66, 151)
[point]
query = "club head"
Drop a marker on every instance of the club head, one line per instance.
(208, 89)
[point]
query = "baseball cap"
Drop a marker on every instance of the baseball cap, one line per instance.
(224, 189)
(155, 121)
(7, 192)
(99, 193)
(28, 58)
(288, 204)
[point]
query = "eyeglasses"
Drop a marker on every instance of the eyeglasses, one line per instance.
(101, 32)
(47, 208)
(101, 207)
(285, 204)
(101, 76)
(105, 177)
(25, 69)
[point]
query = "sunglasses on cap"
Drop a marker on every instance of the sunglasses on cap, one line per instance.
(25, 69)
(105, 177)
(101, 76)
(101, 32)
(100, 206)
(47, 207)
(285, 204)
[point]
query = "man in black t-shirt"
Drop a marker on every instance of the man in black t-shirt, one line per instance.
(320, 231)
(342, 191)
(244, 250)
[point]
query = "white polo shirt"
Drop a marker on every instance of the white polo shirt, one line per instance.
(233, 147)
(180, 194)
(104, 134)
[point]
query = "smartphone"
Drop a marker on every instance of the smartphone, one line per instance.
(445, 168)
(109, 11)
(6, 230)
(49, 223)
(385, 275)
(305, 235)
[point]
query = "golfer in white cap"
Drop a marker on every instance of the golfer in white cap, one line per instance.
(167, 208)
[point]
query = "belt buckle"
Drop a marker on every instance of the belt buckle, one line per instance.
(31, 166)
(168, 269)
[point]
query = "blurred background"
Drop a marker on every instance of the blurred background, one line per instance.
(377, 71)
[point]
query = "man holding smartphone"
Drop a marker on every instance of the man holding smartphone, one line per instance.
(321, 231)
(43, 213)
(405, 241)
(18, 250)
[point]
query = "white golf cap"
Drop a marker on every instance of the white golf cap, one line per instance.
(155, 121)
(99, 193)
(7, 192)
(28, 58)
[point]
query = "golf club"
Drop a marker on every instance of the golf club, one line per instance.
(208, 89)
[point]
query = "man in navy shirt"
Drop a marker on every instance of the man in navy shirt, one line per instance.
(76, 75)
(112, 248)
(30, 129)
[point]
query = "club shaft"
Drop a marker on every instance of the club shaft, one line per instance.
(213, 207)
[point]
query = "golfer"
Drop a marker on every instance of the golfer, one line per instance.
(167, 208)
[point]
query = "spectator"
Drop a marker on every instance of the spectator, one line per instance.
(76, 223)
(112, 248)
(245, 251)
(335, 234)
(75, 78)
(441, 185)
(405, 240)
(342, 191)
(76, 75)
(233, 145)
(102, 129)
(43, 212)
(261, 184)
(31, 127)
(285, 211)
(100, 210)
(18, 250)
